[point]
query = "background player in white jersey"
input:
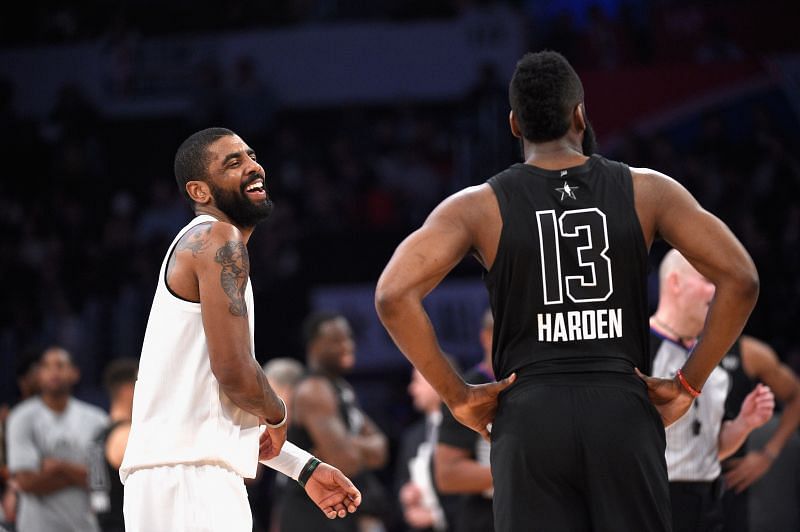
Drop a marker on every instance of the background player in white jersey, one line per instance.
(201, 396)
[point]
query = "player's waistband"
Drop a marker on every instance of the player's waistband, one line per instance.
(610, 372)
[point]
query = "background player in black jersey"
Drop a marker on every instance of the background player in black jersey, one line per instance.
(329, 419)
(462, 456)
(564, 238)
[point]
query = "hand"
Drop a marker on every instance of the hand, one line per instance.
(757, 407)
(740, 473)
(480, 404)
(271, 441)
(418, 517)
(332, 492)
(410, 494)
(668, 396)
(415, 513)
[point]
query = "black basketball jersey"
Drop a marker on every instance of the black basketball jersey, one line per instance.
(568, 285)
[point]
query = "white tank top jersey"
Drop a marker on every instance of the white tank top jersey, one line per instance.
(180, 415)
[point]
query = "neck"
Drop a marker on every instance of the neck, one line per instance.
(555, 154)
(211, 210)
(674, 328)
(55, 402)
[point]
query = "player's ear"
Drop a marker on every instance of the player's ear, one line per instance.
(199, 192)
(579, 117)
(512, 122)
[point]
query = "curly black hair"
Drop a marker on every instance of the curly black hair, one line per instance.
(192, 157)
(543, 92)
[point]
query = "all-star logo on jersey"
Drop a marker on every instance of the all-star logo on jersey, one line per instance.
(567, 189)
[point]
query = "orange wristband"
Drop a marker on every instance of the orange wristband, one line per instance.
(686, 386)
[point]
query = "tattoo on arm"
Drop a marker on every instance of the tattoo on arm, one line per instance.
(235, 268)
(195, 240)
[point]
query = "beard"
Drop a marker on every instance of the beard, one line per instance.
(238, 207)
(589, 144)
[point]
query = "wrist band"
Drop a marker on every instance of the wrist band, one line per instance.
(307, 471)
(686, 386)
(290, 461)
(283, 421)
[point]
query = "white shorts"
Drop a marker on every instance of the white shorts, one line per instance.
(186, 498)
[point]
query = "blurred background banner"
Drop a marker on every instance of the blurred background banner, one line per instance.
(305, 67)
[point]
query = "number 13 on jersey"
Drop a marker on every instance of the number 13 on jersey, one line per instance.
(574, 256)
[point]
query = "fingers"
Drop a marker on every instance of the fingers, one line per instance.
(640, 374)
(349, 488)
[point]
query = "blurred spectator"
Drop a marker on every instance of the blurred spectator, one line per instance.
(749, 363)
(49, 438)
(421, 505)
(265, 491)
(328, 419)
(462, 455)
(250, 104)
(105, 486)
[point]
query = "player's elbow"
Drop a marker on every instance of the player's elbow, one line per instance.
(388, 300)
(747, 283)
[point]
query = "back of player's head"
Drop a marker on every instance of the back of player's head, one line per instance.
(118, 373)
(543, 93)
(192, 157)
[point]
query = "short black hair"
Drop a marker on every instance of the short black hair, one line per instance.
(118, 372)
(543, 92)
(313, 323)
(192, 157)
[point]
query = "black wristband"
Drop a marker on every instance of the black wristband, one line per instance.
(307, 471)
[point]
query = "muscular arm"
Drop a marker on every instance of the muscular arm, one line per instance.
(457, 472)
(315, 409)
(221, 272)
(418, 265)
(761, 363)
(667, 209)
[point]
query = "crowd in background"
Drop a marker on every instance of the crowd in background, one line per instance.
(88, 203)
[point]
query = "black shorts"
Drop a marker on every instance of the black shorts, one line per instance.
(579, 453)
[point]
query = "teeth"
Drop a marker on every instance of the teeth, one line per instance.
(257, 185)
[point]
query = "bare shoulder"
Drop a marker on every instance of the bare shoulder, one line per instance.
(313, 390)
(468, 202)
(757, 356)
(314, 396)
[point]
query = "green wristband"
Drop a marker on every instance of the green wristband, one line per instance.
(307, 471)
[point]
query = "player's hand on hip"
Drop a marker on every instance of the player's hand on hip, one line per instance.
(478, 409)
(668, 396)
(269, 446)
(332, 492)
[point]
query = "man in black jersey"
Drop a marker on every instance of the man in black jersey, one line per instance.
(328, 418)
(462, 456)
(564, 238)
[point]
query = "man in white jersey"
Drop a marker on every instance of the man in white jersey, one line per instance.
(201, 397)
(700, 438)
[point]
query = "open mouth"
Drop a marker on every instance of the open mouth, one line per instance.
(256, 189)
